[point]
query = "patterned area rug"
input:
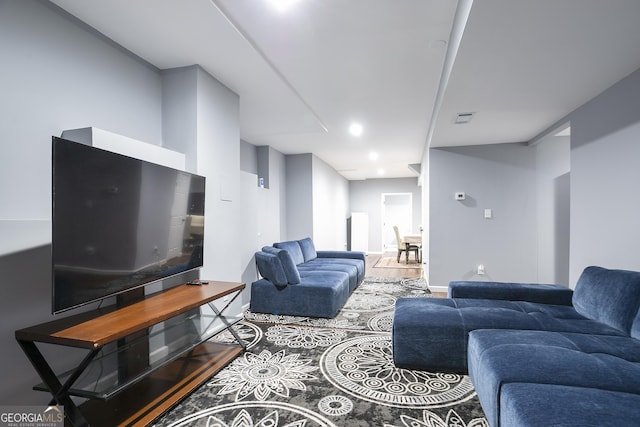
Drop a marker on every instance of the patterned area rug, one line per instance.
(370, 306)
(293, 375)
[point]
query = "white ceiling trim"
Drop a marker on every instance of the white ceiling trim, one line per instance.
(268, 61)
(457, 31)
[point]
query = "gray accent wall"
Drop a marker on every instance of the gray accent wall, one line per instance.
(179, 113)
(498, 177)
(330, 207)
(248, 158)
(299, 204)
(605, 179)
(553, 208)
(262, 217)
(218, 159)
(366, 196)
(60, 74)
(57, 74)
(317, 202)
(559, 205)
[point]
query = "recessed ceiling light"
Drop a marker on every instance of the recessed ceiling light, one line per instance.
(282, 5)
(355, 129)
(373, 155)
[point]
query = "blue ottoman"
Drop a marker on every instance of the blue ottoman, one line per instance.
(432, 334)
(535, 405)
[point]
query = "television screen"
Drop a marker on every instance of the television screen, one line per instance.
(119, 223)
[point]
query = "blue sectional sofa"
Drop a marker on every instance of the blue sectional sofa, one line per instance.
(536, 354)
(297, 280)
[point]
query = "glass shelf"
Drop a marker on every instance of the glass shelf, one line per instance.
(141, 358)
(120, 364)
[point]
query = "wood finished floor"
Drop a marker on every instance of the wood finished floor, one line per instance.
(401, 273)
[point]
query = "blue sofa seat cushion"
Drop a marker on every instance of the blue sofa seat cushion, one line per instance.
(500, 357)
(356, 259)
(619, 346)
(320, 294)
(320, 264)
(535, 405)
(609, 296)
(432, 333)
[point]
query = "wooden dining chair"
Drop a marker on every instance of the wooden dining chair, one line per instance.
(405, 247)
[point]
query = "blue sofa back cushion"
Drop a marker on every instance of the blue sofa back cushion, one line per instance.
(308, 249)
(294, 249)
(609, 296)
(290, 269)
(271, 269)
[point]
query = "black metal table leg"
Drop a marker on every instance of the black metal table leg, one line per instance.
(226, 322)
(59, 391)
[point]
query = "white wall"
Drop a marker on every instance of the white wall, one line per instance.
(425, 186)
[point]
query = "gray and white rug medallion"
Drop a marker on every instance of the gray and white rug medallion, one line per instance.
(298, 373)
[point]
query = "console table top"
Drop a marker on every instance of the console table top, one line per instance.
(98, 327)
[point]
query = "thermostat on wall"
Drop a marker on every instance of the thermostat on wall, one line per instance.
(460, 195)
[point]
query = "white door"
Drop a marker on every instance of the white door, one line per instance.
(396, 210)
(360, 231)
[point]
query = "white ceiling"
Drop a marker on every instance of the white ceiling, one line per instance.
(304, 75)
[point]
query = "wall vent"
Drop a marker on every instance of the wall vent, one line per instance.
(462, 118)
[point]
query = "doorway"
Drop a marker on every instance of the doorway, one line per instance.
(396, 210)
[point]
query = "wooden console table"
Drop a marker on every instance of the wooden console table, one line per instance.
(174, 325)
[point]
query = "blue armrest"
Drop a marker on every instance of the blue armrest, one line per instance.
(531, 292)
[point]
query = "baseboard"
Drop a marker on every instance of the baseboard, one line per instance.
(444, 289)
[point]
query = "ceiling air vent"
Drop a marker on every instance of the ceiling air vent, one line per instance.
(462, 118)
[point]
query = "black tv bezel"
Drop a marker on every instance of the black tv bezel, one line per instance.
(58, 310)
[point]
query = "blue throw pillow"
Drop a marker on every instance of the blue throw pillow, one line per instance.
(290, 269)
(270, 268)
(293, 247)
(308, 249)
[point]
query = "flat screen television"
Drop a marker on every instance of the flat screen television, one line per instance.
(119, 223)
